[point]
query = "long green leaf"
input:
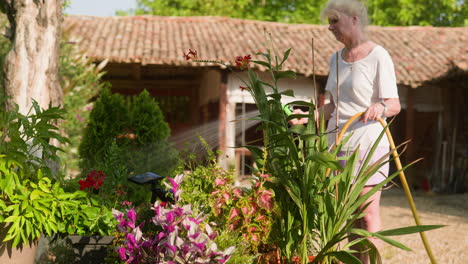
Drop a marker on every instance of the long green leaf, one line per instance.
(345, 256)
(408, 230)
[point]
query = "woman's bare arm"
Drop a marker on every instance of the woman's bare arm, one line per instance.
(377, 110)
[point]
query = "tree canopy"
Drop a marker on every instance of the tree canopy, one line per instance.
(381, 12)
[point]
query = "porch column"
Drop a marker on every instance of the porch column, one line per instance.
(222, 123)
(227, 129)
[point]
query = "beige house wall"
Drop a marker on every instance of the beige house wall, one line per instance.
(209, 86)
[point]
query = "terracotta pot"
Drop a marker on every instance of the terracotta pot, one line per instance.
(298, 260)
(23, 255)
(271, 257)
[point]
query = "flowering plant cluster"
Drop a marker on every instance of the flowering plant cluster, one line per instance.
(182, 237)
(249, 211)
(94, 180)
(105, 192)
(243, 61)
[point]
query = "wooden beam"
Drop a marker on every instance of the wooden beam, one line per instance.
(222, 117)
(136, 71)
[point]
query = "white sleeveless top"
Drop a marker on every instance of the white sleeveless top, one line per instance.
(362, 83)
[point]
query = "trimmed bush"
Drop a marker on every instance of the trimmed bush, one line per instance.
(137, 127)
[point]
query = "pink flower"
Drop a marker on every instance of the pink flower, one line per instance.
(122, 253)
(245, 210)
(234, 213)
(255, 238)
(200, 246)
(257, 184)
(171, 247)
(265, 200)
(170, 217)
(220, 182)
(252, 229)
(234, 224)
(124, 203)
(237, 192)
(253, 209)
(131, 214)
(226, 196)
(174, 184)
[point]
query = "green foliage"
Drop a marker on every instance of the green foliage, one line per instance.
(136, 129)
(248, 211)
(199, 183)
(5, 46)
(198, 190)
(284, 11)
(241, 255)
(80, 80)
(150, 149)
(108, 118)
(418, 12)
(26, 138)
(31, 202)
(381, 12)
(313, 205)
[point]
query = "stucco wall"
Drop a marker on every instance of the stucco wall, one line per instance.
(303, 87)
(209, 86)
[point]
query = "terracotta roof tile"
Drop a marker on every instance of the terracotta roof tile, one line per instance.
(419, 53)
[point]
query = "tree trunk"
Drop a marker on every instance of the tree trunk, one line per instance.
(31, 66)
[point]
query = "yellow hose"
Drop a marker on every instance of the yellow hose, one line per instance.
(404, 183)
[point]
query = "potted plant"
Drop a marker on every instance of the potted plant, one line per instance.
(32, 199)
(180, 235)
(315, 200)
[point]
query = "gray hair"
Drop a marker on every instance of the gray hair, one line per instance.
(348, 7)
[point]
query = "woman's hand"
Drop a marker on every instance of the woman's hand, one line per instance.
(377, 110)
(374, 112)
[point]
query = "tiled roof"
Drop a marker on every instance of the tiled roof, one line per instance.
(419, 53)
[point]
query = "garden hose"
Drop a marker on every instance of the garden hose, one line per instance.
(404, 183)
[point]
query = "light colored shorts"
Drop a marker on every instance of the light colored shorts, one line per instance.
(381, 174)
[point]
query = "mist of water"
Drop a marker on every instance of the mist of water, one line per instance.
(189, 139)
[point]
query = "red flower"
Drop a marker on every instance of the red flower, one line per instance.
(94, 179)
(243, 62)
(192, 54)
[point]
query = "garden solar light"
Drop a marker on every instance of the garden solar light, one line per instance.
(156, 192)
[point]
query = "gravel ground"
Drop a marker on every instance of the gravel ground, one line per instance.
(449, 244)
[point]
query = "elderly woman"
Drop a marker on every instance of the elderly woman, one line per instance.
(367, 84)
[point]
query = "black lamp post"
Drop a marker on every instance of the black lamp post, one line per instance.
(156, 192)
